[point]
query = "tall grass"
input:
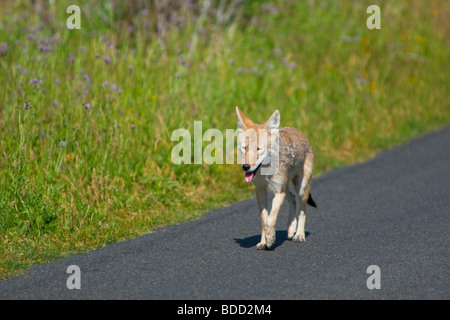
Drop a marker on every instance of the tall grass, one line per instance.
(86, 115)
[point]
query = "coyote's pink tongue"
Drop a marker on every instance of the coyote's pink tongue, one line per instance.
(249, 176)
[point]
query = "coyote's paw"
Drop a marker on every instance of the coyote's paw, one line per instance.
(290, 234)
(270, 238)
(299, 238)
(261, 246)
(291, 230)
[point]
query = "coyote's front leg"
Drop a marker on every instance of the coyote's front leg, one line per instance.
(272, 218)
(261, 196)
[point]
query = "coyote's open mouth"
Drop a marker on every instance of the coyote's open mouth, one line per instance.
(250, 175)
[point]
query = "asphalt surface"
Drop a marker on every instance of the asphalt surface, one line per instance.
(392, 211)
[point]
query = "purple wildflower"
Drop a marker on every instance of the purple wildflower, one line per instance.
(133, 126)
(27, 105)
(268, 8)
(87, 106)
(114, 87)
(3, 49)
(201, 30)
(70, 57)
(359, 78)
(106, 83)
(131, 67)
(45, 48)
(276, 51)
(62, 143)
(33, 81)
(107, 60)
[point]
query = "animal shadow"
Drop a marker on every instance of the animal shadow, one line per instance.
(251, 242)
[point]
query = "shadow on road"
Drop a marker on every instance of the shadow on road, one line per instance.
(249, 242)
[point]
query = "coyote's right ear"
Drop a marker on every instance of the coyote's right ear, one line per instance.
(243, 121)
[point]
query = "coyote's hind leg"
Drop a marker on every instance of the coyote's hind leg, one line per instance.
(302, 187)
(292, 222)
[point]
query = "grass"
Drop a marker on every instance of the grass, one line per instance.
(89, 162)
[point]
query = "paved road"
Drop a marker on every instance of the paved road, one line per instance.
(392, 211)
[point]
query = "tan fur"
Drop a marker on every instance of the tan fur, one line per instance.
(295, 164)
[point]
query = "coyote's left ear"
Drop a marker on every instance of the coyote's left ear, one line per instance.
(274, 120)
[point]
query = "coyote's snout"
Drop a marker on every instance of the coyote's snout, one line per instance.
(272, 158)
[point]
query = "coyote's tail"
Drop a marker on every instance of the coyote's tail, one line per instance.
(311, 202)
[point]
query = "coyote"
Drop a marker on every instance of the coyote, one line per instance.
(290, 157)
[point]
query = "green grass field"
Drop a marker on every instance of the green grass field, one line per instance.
(86, 116)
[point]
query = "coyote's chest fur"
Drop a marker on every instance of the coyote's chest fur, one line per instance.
(292, 148)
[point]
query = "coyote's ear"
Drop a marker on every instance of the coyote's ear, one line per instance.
(243, 121)
(274, 120)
